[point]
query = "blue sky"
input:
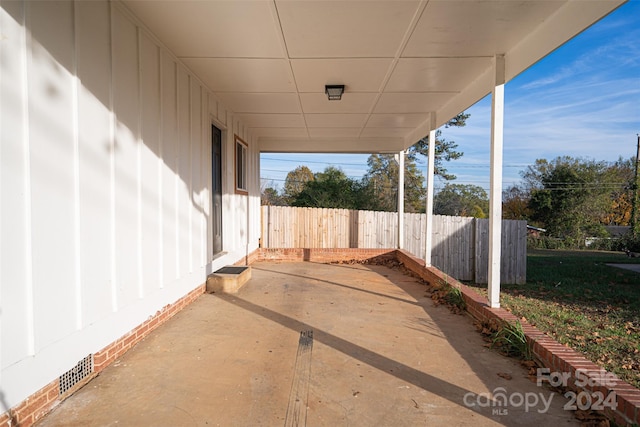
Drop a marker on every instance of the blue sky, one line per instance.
(583, 100)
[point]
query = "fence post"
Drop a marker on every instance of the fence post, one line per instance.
(460, 245)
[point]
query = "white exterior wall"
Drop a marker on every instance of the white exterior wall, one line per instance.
(105, 179)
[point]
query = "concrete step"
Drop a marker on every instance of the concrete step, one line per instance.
(228, 279)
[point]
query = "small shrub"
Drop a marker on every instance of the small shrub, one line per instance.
(512, 341)
(629, 242)
(546, 242)
(605, 244)
(455, 298)
(450, 295)
(573, 243)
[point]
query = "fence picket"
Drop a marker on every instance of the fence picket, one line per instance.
(460, 244)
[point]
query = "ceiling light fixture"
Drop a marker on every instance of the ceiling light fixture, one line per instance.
(334, 92)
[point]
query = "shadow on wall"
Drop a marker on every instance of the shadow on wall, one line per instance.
(453, 246)
(354, 220)
(461, 249)
(6, 409)
(106, 143)
(133, 105)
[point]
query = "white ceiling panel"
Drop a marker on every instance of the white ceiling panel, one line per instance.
(261, 102)
(358, 75)
(243, 75)
(345, 29)
(281, 132)
(269, 60)
(213, 28)
(336, 120)
(350, 103)
(273, 120)
(435, 74)
(331, 145)
(384, 132)
(476, 28)
(411, 102)
(334, 132)
(396, 120)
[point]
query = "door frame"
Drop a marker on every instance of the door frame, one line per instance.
(217, 223)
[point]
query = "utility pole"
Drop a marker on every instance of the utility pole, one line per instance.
(635, 200)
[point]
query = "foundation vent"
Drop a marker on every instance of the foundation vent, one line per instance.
(73, 376)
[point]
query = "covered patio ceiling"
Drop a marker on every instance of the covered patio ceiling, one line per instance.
(402, 62)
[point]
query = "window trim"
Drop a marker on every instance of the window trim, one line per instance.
(240, 172)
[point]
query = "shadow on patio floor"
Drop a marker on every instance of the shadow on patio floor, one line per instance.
(382, 354)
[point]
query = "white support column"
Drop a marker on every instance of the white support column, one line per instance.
(495, 194)
(430, 177)
(401, 200)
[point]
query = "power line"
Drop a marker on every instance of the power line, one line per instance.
(421, 162)
(584, 182)
(313, 161)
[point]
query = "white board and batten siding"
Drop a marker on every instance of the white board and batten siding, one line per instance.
(460, 244)
(105, 180)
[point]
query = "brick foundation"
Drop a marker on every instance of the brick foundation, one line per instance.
(249, 259)
(32, 408)
(322, 254)
(548, 352)
(41, 402)
(116, 349)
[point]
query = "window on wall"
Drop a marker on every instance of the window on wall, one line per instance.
(241, 166)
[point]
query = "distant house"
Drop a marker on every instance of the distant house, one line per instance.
(534, 231)
(616, 231)
(613, 231)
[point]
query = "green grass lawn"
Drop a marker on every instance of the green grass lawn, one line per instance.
(576, 298)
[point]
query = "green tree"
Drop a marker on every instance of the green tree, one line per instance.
(444, 150)
(382, 176)
(295, 182)
(621, 175)
(330, 189)
(461, 200)
(271, 197)
(515, 203)
(570, 196)
(381, 181)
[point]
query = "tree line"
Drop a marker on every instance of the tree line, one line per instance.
(571, 198)
(378, 189)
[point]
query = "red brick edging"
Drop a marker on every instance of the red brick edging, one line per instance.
(551, 354)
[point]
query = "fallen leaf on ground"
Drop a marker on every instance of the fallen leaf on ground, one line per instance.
(504, 375)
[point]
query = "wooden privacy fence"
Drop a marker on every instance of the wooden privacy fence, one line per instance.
(460, 244)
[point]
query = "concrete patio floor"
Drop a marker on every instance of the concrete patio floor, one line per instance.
(381, 354)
